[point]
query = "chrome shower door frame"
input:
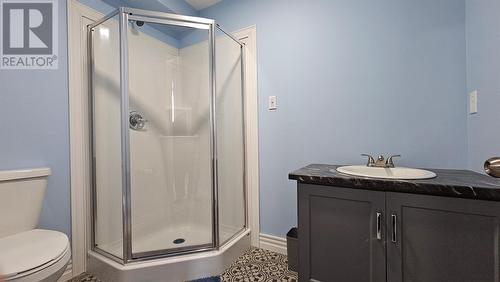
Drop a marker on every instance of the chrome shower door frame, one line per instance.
(246, 195)
(93, 188)
(125, 15)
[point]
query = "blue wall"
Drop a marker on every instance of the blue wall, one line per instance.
(352, 77)
(34, 128)
(483, 72)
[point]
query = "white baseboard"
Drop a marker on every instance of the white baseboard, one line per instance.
(273, 243)
(68, 273)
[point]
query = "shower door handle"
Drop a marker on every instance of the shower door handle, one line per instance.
(137, 121)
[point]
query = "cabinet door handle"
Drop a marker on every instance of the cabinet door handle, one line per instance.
(379, 227)
(394, 220)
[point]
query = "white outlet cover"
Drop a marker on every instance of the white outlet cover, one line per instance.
(473, 102)
(273, 103)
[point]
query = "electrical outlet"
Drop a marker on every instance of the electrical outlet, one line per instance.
(473, 102)
(273, 103)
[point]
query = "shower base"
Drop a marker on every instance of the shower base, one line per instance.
(168, 238)
(163, 239)
(175, 268)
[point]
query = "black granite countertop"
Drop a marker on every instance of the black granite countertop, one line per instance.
(448, 183)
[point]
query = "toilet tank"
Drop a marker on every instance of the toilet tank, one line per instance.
(21, 198)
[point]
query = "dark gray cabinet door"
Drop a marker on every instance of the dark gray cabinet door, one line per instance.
(442, 239)
(338, 234)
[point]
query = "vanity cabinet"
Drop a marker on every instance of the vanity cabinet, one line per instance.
(338, 234)
(442, 239)
(361, 235)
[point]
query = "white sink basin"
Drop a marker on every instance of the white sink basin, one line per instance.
(386, 173)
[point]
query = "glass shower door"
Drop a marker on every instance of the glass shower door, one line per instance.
(168, 135)
(171, 188)
(230, 136)
(106, 138)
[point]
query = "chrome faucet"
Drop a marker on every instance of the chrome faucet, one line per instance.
(381, 161)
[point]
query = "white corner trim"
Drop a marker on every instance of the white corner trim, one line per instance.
(78, 16)
(248, 36)
(68, 273)
(273, 243)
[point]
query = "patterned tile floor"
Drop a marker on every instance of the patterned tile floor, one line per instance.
(259, 265)
(84, 277)
(254, 265)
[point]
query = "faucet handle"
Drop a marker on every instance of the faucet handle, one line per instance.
(371, 160)
(389, 162)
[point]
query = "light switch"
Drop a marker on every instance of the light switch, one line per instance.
(473, 102)
(273, 103)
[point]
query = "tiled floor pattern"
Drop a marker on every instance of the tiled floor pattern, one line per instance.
(84, 277)
(254, 265)
(259, 265)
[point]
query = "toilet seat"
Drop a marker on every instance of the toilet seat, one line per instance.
(37, 252)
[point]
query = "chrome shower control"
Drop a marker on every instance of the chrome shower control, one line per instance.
(136, 121)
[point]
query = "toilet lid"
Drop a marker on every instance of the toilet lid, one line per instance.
(31, 249)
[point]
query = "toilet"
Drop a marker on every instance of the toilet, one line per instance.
(28, 254)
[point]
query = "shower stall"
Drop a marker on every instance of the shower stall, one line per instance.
(168, 136)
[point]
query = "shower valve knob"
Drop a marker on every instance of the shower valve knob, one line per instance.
(137, 121)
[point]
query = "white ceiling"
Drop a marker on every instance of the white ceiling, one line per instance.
(202, 4)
